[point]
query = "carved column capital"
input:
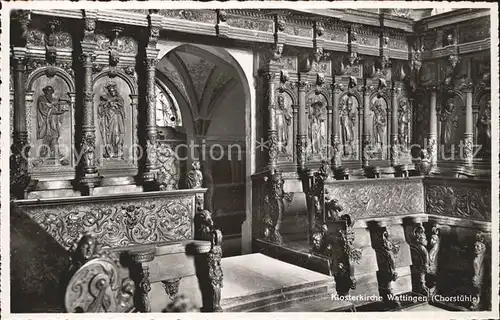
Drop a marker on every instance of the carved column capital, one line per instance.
(368, 90)
(337, 88)
(302, 84)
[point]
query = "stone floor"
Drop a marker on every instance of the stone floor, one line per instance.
(256, 282)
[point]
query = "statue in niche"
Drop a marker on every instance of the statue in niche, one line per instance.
(111, 114)
(449, 121)
(284, 119)
(379, 123)
(317, 132)
(49, 122)
(347, 120)
(403, 125)
(194, 178)
(484, 129)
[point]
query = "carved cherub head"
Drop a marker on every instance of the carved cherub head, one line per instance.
(86, 247)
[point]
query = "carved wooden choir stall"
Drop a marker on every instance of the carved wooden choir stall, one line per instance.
(369, 159)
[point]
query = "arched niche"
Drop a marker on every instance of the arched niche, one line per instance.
(481, 101)
(421, 114)
(349, 115)
(115, 118)
(405, 122)
(379, 125)
(317, 131)
(50, 117)
(450, 109)
(285, 123)
(168, 113)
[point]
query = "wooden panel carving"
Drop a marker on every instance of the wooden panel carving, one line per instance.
(377, 198)
(50, 120)
(458, 198)
(115, 122)
(284, 124)
(117, 221)
(349, 124)
(191, 15)
(251, 24)
(318, 125)
(379, 127)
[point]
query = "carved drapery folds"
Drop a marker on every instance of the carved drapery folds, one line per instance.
(96, 283)
(208, 267)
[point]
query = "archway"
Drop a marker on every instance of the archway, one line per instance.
(216, 104)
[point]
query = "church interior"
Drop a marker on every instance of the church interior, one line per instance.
(250, 160)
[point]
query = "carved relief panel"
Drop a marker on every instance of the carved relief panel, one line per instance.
(115, 121)
(285, 124)
(50, 99)
(451, 123)
(421, 118)
(379, 127)
(317, 113)
(349, 126)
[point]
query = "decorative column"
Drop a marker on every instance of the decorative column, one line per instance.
(140, 274)
(433, 121)
(150, 61)
(302, 126)
(469, 127)
(337, 89)
(272, 131)
(366, 137)
(89, 177)
(394, 126)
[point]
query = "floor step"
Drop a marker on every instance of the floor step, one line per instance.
(257, 282)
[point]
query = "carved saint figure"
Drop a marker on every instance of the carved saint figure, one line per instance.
(403, 122)
(379, 123)
(194, 178)
(484, 129)
(347, 119)
(111, 113)
(283, 119)
(317, 132)
(49, 122)
(450, 122)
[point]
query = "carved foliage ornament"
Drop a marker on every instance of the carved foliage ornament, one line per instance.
(132, 221)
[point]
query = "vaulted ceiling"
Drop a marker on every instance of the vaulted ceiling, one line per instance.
(201, 75)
